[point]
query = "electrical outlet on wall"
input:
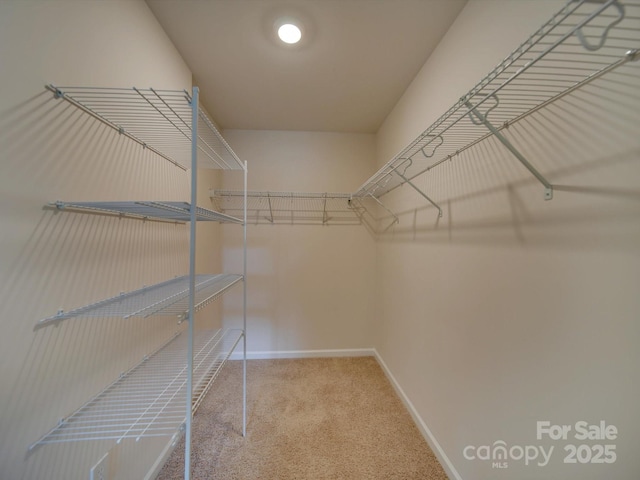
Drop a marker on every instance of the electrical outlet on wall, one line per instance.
(100, 471)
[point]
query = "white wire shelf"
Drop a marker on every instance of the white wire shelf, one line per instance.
(290, 207)
(582, 42)
(166, 211)
(156, 119)
(170, 298)
(149, 399)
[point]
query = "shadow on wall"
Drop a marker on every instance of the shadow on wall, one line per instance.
(52, 260)
(587, 145)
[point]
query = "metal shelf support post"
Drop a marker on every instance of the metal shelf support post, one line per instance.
(244, 306)
(192, 280)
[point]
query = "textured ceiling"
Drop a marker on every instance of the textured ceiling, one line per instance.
(356, 59)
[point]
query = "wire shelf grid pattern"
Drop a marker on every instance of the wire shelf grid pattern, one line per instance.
(170, 298)
(156, 119)
(148, 400)
(168, 211)
(581, 42)
(290, 207)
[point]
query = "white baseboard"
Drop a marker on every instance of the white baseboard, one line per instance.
(265, 355)
(162, 459)
(420, 423)
(364, 352)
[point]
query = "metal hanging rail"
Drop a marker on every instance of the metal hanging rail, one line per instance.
(148, 399)
(582, 42)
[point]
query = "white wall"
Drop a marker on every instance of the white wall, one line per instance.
(50, 260)
(507, 311)
(310, 287)
(510, 309)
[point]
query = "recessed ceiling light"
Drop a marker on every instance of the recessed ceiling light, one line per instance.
(289, 33)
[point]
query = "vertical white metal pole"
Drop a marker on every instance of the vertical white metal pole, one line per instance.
(244, 312)
(192, 279)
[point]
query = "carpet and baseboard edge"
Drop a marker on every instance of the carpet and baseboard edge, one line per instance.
(168, 449)
(420, 423)
(360, 352)
(367, 352)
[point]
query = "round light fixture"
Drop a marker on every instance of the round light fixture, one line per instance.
(289, 33)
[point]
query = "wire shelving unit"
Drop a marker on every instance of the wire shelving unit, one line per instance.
(585, 40)
(172, 125)
(160, 120)
(148, 399)
(170, 298)
(299, 208)
(179, 212)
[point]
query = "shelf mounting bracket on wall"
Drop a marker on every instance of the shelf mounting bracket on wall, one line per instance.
(395, 217)
(325, 216)
(411, 184)
(270, 208)
(479, 118)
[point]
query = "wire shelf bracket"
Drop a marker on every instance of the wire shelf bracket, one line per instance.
(413, 185)
(270, 217)
(479, 118)
(325, 215)
(395, 217)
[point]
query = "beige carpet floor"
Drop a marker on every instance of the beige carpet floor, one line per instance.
(321, 418)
